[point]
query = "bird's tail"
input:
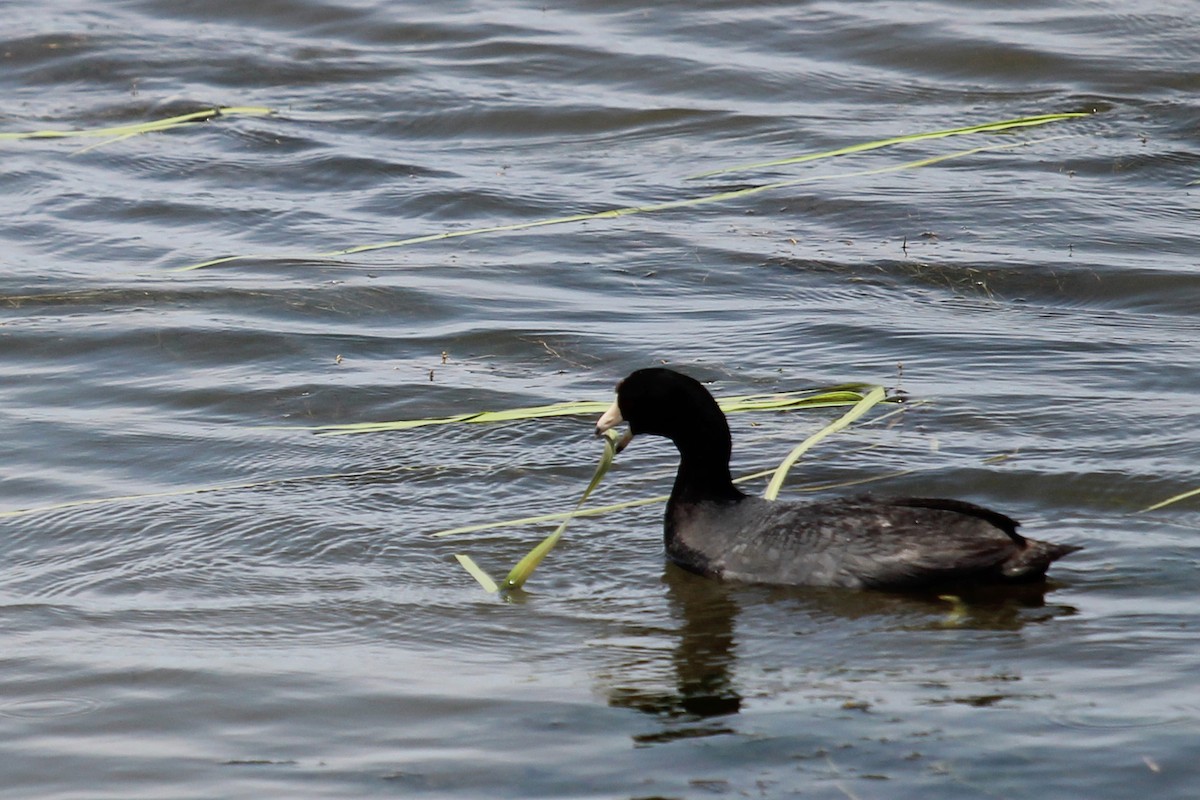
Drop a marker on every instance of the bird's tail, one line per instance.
(1031, 561)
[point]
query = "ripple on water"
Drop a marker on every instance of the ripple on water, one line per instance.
(48, 707)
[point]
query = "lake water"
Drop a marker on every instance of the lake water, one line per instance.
(293, 631)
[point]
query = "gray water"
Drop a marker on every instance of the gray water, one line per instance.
(294, 631)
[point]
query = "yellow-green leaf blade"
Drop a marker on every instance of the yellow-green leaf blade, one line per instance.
(1172, 500)
(870, 400)
(525, 567)
(477, 573)
(985, 127)
(121, 131)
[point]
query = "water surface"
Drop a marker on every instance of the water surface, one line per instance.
(294, 631)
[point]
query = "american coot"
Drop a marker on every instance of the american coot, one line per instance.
(714, 529)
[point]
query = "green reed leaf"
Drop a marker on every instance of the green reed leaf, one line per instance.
(986, 127)
(123, 131)
(1171, 500)
(477, 573)
(716, 197)
(525, 567)
(569, 408)
(869, 401)
(780, 401)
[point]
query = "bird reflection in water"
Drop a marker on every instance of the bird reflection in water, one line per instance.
(702, 694)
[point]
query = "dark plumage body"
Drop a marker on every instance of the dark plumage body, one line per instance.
(714, 529)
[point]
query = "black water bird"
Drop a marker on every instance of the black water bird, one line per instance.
(900, 543)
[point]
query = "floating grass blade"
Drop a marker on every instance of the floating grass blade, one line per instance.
(986, 127)
(609, 214)
(870, 400)
(789, 400)
(104, 142)
(123, 131)
(687, 202)
(754, 402)
(524, 568)
(570, 408)
(1171, 500)
(477, 573)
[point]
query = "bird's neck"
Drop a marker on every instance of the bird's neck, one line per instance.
(700, 484)
(704, 475)
(703, 478)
